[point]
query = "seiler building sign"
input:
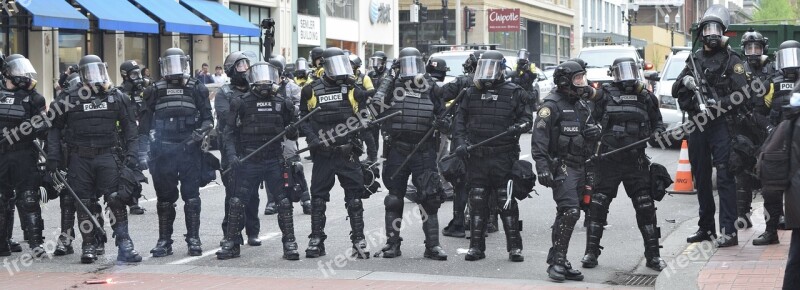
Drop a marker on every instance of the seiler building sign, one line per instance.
(503, 20)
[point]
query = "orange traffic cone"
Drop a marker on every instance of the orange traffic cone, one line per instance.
(683, 178)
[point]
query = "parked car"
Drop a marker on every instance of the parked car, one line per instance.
(599, 59)
(670, 111)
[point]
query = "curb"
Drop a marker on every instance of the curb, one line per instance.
(685, 261)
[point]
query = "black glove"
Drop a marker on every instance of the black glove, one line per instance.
(132, 162)
(592, 132)
(51, 165)
(461, 151)
(234, 162)
(443, 125)
(143, 162)
(517, 128)
(292, 132)
(396, 64)
(545, 178)
(198, 135)
(351, 80)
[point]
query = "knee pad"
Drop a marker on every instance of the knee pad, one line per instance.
(285, 204)
(235, 202)
(30, 201)
(355, 206)
(393, 203)
(477, 198)
(571, 215)
(117, 200)
(502, 197)
(643, 202)
(430, 206)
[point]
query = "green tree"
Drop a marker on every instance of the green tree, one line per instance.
(775, 12)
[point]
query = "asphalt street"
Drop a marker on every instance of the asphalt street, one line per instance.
(623, 244)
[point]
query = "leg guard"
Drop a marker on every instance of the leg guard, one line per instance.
(355, 211)
(33, 219)
(87, 229)
(433, 250)
(64, 246)
(286, 223)
(478, 202)
(511, 225)
(233, 234)
(126, 251)
(166, 218)
(191, 210)
(646, 218)
(597, 217)
(10, 209)
(744, 200)
(316, 243)
(560, 269)
(5, 250)
(393, 222)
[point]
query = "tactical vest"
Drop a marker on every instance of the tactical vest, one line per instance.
(491, 112)
(93, 122)
(764, 76)
(13, 109)
(335, 103)
(417, 113)
(176, 114)
(626, 120)
(568, 126)
(360, 82)
(715, 71)
(262, 120)
(376, 79)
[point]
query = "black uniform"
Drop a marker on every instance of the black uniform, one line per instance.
(252, 121)
(18, 166)
(456, 226)
(626, 115)
(135, 93)
(340, 158)
(524, 76)
(222, 107)
(419, 106)
(175, 110)
(484, 113)
(92, 163)
(372, 151)
(773, 200)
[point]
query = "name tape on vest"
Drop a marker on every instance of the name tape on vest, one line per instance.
(92, 107)
(570, 129)
(7, 101)
(628, 98)
(174, 91)
(329, 98)
(787, 86)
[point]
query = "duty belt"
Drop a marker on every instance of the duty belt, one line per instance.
(15, 147)
(491, 150)
(406, 147)
(87, 152)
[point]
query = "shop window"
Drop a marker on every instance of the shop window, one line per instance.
(348, 45)
(71, 47)
(13, 34)
(341, 9)
(511, 40)
(564, 42)
(307, 7)
(254, 14)
(430, 32)
(136, 48)
(549, 39)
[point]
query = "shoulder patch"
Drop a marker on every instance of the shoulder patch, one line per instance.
(738, 68)
(544, 112)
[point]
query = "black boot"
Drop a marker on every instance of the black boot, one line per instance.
(652, 249)
(191, 210)
(166, 218)
(455, 228)
(100, 246)
(560, 269)
(136, 209)
(12, 245)
(233, 234)
(316, 243)
(355, 212)
(433, 250)
(493, 225)
(125, 251)
(393, 221)
(64, 245)
(510, 217)
(286, 223)
(769, 237)
(5, 250)
(89, 246)
(595, 221)
(32, 218)
(744, 199)
(479, 213)
(271, 209)
(701, 235)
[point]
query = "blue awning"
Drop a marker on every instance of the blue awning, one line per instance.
(176, 18)
(227, 21)
(119, 15)
(55, 13)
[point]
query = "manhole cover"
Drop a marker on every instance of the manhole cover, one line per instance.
(634, 280)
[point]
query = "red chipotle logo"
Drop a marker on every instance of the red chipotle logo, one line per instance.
(503, 20)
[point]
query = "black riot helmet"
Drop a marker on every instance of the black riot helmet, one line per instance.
(472, 61)
(288, 71)
(713, 25)
(131, 72)
(490, 70)
(378, 61)
(94, 72)
(279, 62)
(437, 68)
(522, 56)
(73, 83)
(755, 47)
(626, 75)
(314, 55)
(20, 72)
(570, 78)
(174, 64)
(786, 59)
(411, 64)
(579, 61)
(355, 62)
(263, 78)
(235, 66)
(2, 68)
(336, 64)
(301, 67)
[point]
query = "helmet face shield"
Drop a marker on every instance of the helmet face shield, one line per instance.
(175, 65)
(94, 73)
(338, 66)
(301, 65)
(242, 65)
(787, 58)
(135, 74)
(376, 61)
(20, 67)
(411, 66)
(489, 69)
(579, 80)
(712, 28)
(523, 55)
(263, 73)
(625, 71)
(753, 48)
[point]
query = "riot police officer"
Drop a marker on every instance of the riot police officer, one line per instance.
(784, 80)
(415, 98)
(378, 64)
(491, 107)
(72, 85)
(94, 168)
(177, 110)
(722, 74)
(364, 82)
(255, 118)
(133, 85)
(301, 72)
(338, 96)
(561, 141)
(20, 106)
(525, 74)
(627, 113)
(316, 58)
(235, 66)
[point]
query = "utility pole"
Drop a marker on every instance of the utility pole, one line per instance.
(444, 21)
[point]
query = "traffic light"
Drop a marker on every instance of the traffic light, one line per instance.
(423, 13)
(469, 18)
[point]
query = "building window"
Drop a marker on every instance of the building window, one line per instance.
(371, 48)
(511, 40)
(341, 9)
(307, 7)
(71, 47)
(13, 34)
(563, 42)
(254, 14)
(430, 32)
(549, 39)
(136, 48)
(344, 45)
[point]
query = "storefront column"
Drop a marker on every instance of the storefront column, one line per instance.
(40, 52)
(218, 49)
(294, 24)
(114, 45)
(323, 19)
(169, 41)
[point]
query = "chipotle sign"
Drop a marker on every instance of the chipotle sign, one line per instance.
(503, 20)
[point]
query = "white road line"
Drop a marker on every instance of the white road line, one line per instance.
(212, 252)
(202, 188)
